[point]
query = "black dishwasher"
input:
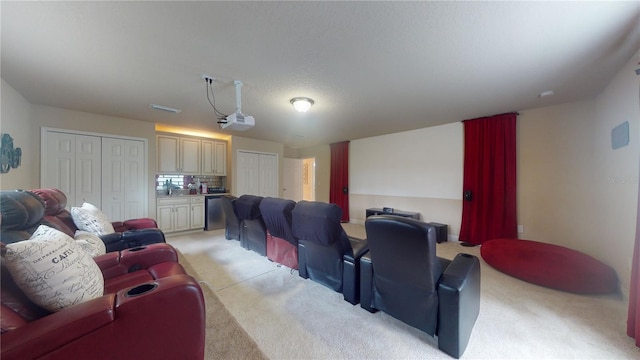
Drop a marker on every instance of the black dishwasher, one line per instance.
(213, 213)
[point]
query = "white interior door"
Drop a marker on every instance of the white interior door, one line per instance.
(124, 178)
(309, 179)
(292, 181)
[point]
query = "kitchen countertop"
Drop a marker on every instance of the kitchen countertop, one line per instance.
(186, 195)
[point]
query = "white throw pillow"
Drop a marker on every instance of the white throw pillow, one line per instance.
(90, 218)
(90, 243)
(52, 270)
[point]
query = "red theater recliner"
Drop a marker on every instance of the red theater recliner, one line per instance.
(154, 312)
(282, 246)
(129, 233)
(151, 309)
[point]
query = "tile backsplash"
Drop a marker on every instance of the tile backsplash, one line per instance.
(183, 182)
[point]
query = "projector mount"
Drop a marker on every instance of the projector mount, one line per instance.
(235, 121)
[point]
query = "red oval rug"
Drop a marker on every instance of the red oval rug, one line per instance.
(550, 265)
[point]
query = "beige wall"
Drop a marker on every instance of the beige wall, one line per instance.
(573, 188)
(15, 120)
(26, 120)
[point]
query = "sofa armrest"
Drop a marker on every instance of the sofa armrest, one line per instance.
(132, 238)
(351, 270)
(459, 303)
(162, 319)
(366, 283)
(141, 223)
(302, 261)
(143, 257)
(46, 334)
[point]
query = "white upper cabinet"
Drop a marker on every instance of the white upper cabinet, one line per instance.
(191, 156)
(214, 157)
(178, 155)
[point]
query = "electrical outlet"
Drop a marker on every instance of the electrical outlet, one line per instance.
(520, 228)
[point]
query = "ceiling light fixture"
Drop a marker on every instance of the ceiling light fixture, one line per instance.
(302, 104)
(546, 93)
(164, 108)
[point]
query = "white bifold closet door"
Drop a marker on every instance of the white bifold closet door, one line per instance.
(257, 174)
(108, 172)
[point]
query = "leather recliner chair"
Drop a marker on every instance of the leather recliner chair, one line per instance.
(129, 234)
(232, 223)
(253, 232)
(154, 312)
(402, 276)
(325, 253)
(144, 288)
(282, 246)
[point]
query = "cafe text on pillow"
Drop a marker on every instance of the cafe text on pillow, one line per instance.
(52, 270)
(90, 218)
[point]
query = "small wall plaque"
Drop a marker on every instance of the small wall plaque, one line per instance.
(620, 135)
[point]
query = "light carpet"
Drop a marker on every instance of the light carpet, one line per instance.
(293, 318)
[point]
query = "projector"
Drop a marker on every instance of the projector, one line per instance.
(238, 121)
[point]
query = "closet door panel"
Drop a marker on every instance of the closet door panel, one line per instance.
(123, 181)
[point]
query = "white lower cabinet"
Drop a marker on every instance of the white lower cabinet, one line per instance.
(180, 213)
(197, 212)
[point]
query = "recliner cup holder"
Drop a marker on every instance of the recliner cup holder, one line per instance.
(140, 289)
(138, 248)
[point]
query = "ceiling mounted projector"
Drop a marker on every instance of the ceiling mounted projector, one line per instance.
(237, 121)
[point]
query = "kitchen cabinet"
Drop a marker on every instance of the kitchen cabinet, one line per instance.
(180, 213)
(197, 212)
(173, 214)
(214, 157)
(178, 155)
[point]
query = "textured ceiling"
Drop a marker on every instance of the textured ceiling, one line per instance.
(371, 67)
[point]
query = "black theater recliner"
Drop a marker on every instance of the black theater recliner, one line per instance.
(282, 246)
(325, 253)
(402, 276)
(253, 232)
(232, 223)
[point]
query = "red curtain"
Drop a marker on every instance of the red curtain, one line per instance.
(489, 180)
(339, 186)
(633, 319)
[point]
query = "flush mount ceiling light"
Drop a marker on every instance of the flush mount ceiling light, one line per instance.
(164, 108)
(546, 93)
(302, 104)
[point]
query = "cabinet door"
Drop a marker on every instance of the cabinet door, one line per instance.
(208, 157)
(220, 158)
(190, 156)
(167, 154)
(164, 217)
(197, 216)
(182, 217)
